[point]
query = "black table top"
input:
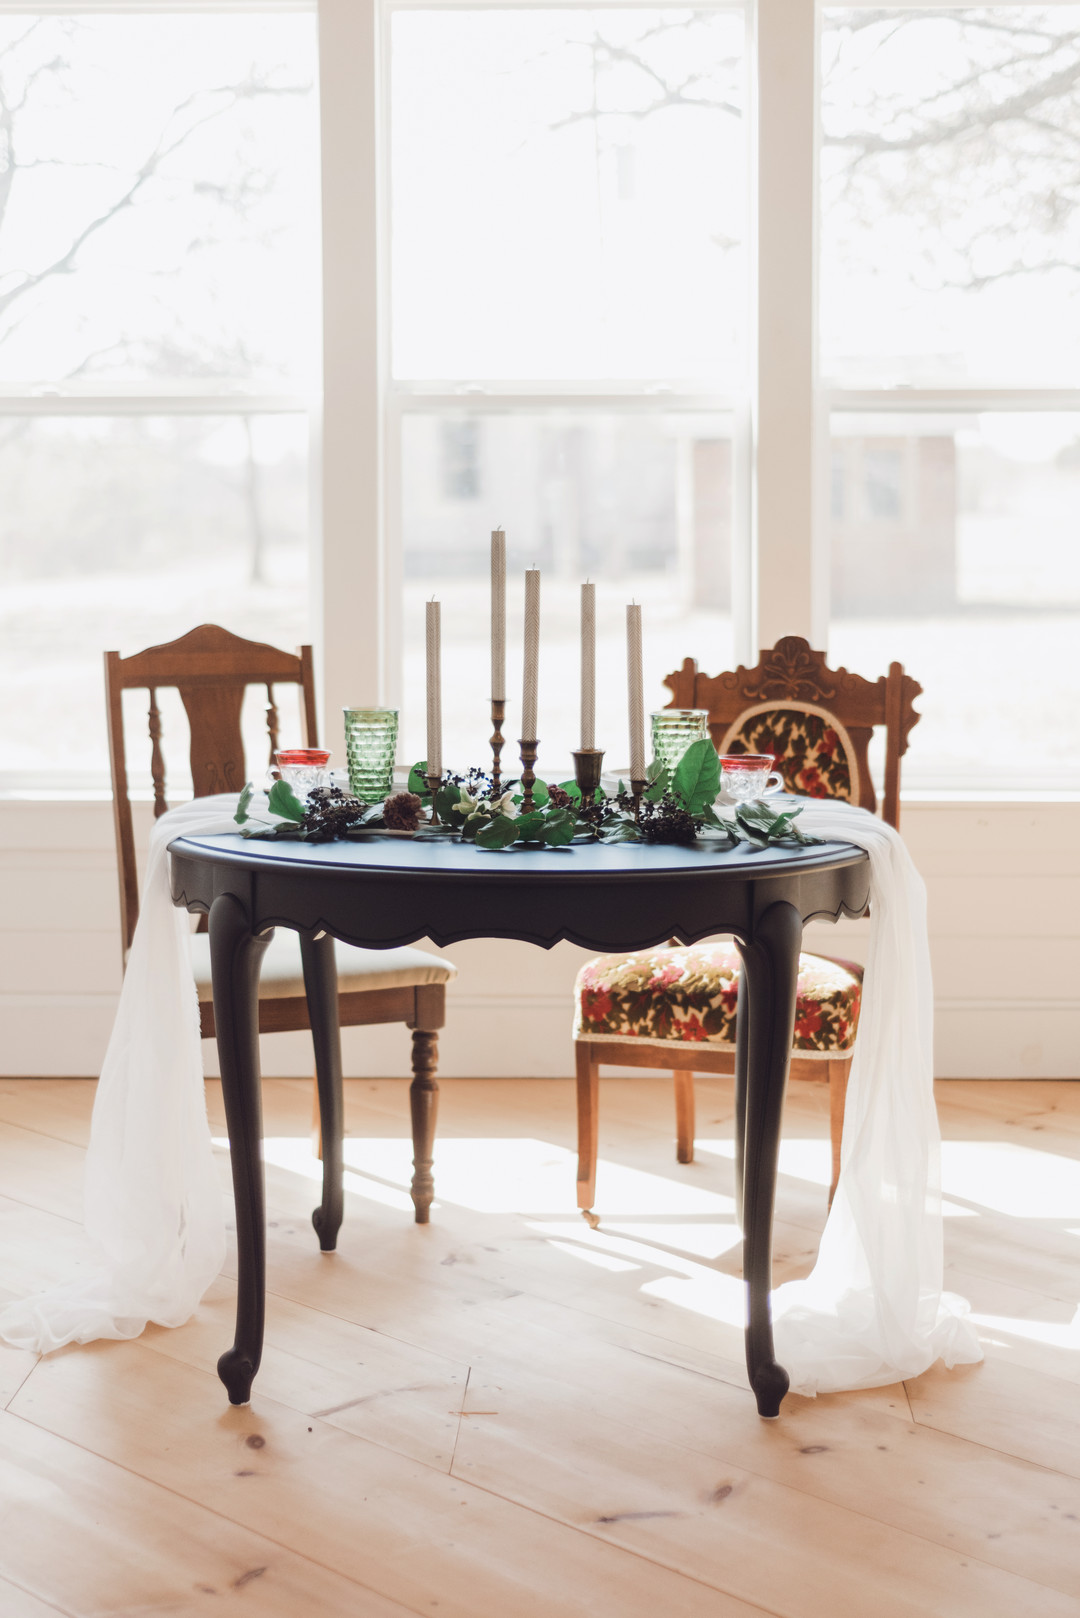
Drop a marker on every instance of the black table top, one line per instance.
(430, 858)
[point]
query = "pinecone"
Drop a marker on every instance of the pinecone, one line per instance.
(559, 798)
(402, 812)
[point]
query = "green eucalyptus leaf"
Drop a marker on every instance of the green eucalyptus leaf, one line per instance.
(755, 815)
(284, 802)
(445, 799)
(659, 782)
(531, 827)
(418, 781)
(622, 831)
(242, 804)
(498, 833)
(541, 795)
(697, 776)
(572, 790)
(560, 830)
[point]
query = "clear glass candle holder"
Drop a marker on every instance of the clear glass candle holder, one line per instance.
(304, 768)
(673, 730)
(370, 749)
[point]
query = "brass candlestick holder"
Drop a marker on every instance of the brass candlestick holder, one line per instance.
(434, 783)
(498, 714)
(588, 762)
(528, 759)
(637, 789)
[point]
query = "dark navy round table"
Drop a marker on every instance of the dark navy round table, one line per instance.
(384, 892)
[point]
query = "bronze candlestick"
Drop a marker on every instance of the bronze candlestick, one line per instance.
(528, 759)
(434, 783)
(637, 788)
(498, 714)
(588, 762)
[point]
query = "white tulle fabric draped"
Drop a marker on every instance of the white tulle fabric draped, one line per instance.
(153, 1204)
(871, 1312)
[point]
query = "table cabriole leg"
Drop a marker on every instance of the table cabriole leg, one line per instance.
(742, 1045)
(320, 985)
(235, 958)
(771, 973)
(424, 1106)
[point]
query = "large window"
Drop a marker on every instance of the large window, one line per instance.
(950, 334)
(157, 331)
(544, 226)
(568, 340)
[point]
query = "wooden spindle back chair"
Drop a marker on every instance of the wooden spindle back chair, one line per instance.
(212, 669)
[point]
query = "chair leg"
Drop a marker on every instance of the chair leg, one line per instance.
(684, 1116)
(588, 1120)
(838, 1077)
(424, 1106)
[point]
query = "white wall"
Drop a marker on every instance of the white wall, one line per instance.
(1004, 887)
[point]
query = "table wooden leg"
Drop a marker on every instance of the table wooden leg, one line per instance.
(423, 1105)
(235, 959)
(320, 984)
(742, 1045)
(771, 974)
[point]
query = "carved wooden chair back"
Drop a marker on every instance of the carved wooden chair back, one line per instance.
(818, 721)
(212, 669)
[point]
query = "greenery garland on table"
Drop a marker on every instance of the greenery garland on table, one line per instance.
(676, 807)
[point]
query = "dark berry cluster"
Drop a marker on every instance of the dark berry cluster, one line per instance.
(329, 814)
(665, 822)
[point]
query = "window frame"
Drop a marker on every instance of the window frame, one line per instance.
(781, 447)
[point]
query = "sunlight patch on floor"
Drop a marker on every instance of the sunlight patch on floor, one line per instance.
(610, 1240)
(510, 1175)
(294, 1152)
(1010, 1179)
(801, 1159)
(1054, 1333)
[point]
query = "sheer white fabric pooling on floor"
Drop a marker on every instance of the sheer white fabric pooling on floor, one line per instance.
(871, 1312)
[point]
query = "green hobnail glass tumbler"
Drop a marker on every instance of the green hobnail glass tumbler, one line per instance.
(673, 729)
(370, 750)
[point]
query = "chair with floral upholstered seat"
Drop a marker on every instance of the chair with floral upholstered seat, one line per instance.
(675, 1006)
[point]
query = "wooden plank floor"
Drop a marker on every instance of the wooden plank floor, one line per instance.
(507, 1415)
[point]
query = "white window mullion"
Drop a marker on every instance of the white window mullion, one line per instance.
(790, 593)
(348, 594)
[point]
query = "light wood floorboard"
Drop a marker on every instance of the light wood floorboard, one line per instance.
(507, 1415)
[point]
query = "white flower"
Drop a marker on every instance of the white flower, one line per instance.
(506, 806)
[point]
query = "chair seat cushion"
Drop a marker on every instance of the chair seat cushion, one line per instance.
(283, 973)
(688, 994)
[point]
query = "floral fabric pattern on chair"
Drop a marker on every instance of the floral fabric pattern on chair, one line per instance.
(812, 750)
(688, 994)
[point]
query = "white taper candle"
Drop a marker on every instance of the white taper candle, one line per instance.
(498, 615)
(588, 665)
(532, 654)
(434, 689)
(635, 685)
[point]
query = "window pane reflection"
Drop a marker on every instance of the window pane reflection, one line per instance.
(954, 549)
(121, 533)
(641, 504)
